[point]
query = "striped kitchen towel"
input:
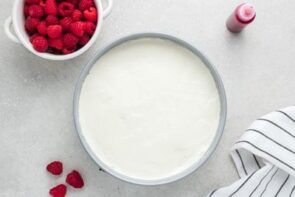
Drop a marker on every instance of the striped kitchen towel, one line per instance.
(265, 158)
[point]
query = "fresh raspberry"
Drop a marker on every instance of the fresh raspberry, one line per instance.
(74, 2)
(74, 179)
(55, 168)
(32, 1)
(84, 40)
(65, 8)
(36, 11)
(51, 20)
(42, 4)
(31, 24)
(42, 28)
(70, 40)
(51, 7)
(77, 15)
(90, 28)
(77, 28)
(40, 44)
(69, 50)
(90, 14)
(56, 43)
(33, 37)
(66, 23)
(54, 31)
(26, 10)
(85, 4)
(58, 191)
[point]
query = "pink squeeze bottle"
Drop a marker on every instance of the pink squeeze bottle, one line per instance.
(243, 15)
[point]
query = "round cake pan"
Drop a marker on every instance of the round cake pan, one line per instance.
(219, 132)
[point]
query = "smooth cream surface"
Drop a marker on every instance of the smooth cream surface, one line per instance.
(149, 109)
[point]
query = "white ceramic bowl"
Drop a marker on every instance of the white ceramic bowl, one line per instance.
(17, 21)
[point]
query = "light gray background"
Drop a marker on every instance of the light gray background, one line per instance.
(36, 95)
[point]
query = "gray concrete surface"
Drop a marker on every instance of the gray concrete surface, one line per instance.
(36, 122)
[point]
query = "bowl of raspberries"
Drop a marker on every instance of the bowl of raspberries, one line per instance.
(56, 29)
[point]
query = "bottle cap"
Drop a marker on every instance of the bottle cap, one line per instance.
(246, 13)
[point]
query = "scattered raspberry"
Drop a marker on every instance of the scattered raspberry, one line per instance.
(66, 23)
(51, 20)
(84, 40)
(90, 28)
(51, 7)
(90, 14)
(32, 1)
(58, 191)
(77, 15)
(54, 31)
(70, 40)
(85, 4)
(78, 28)
(55, 168)
(31, 24)
(42, 28)
(40, 44)
(36, 11)
(26, 10)
(56, 43)
(65, 8)
(69, 50)
(74, 179)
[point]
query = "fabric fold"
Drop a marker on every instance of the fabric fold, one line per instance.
(265, 158)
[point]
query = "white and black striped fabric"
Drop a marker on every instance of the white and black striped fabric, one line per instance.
(265, 158)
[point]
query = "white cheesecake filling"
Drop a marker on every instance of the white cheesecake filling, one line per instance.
(149, 109)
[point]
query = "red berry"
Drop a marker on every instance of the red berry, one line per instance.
(69, 50)
(74, 179)
(31, 24)
(32, 1)
(40, 44)
(85, 4)
(54, 31)
(65, 8)
(55, 168)
(74, 2)
(51, 7)
(51, 20)
(91, 14)
(56, 43)
(84, 40)
(77, 28)
(26, 10)
(90, 28)
(66, 23)
(36, 11)
(77, 15)
(42, 28)
(58, 191)
(33, 37)
(42, 4)
(70, 40)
